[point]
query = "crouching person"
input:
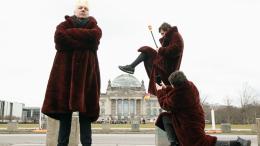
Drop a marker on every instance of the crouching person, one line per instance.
(185, 115)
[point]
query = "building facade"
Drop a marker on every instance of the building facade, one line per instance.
(125, 99)
(31, 114)
(10, 111)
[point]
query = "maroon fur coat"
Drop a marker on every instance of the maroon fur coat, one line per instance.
(186, 113)
(167, 60)
(74, 82)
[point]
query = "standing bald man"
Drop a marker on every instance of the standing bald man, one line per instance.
(74, 82)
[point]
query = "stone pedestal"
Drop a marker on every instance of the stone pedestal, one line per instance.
(226, 127)
(53, 129)
(105, 127)
(258, 130)
(135, 125)
(12, 126)
(161, 137)
(44, 124)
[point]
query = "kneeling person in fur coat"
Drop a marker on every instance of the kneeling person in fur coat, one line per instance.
(182, 103)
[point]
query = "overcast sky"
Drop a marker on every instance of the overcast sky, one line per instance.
(221, 37)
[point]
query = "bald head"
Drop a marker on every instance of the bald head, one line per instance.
(81, 9)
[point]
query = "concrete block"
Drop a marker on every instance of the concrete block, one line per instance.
(161, 137)
(135, 125)
(53, 129)
(105, 127)
(12, 126)
(226, 127)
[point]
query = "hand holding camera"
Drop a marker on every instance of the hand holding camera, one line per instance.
(159, 83)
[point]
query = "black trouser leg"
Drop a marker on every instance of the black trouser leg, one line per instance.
(138, 60)
(227, 143)
(85, 130)
(131, 68)
(234, 143)
(64, 130)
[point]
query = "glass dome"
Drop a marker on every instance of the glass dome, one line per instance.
(126, 80)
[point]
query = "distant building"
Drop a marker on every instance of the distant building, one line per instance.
(10, 111)
(124, 100)
(31, 114)
(13, 111)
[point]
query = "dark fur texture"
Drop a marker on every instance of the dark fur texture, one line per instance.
(186, 113)
(74, 82)
(167, 60)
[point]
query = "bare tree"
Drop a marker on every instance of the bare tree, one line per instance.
(205, 106)
(228, 108)
(247, 98)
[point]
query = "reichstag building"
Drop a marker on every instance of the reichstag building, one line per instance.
(126, 98)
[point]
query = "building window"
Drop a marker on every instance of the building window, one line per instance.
(132, 106)
(148, 111)
(125, 107)
(119, 107)
(154, 112)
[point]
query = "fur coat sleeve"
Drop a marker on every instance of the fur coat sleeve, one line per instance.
(68, 37)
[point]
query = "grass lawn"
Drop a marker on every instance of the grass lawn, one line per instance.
(149, 125)
(22, 125)
(233, 126)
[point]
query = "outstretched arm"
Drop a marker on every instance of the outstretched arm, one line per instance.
(164, 98)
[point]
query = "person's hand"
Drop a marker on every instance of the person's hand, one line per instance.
(163, 85)
(157, 49)
(158, 87)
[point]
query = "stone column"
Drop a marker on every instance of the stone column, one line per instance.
(258, 130)
(135, 107)
(53, 129)
(129, 107)
(141, 107)
(150, 106)
(116, 106)
(122, 107)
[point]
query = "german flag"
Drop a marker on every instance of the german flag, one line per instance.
(147, 96)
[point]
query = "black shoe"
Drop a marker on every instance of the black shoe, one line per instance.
(127, 69)
(243, 142)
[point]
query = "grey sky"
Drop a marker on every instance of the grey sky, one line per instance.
(221, 42)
